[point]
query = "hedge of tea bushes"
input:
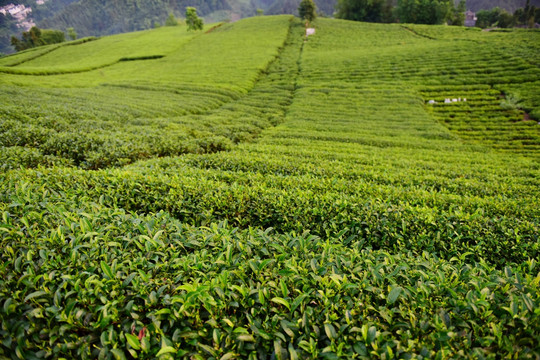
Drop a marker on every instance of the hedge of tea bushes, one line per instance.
(487, 117)
(83, 55)
(354, 222)
(388, 217)
(94, 281)
(27, 55)
(139, 120)
(231, 56)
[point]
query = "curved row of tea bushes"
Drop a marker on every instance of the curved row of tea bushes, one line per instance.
(140, 119)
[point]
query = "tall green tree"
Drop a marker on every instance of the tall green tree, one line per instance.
(459, 14)
(506, 20)
(362, 10)
(192, 20)
(30, 39)
(486, 18)
(425, 11)
(495, 17)
(307, 10)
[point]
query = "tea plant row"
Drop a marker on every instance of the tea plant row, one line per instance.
(141, 118)
(356, 222)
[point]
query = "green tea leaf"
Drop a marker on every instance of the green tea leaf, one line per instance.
(279, 351)
(118, 354)
(281, 301)
(133, 341)
(228, 356)
(145, 344)
(393, 295)
(35, 294)
(107, 270)
(330, 331)
(293, 353)
(246, 337)
(298, 301)
(166, 350)
(208, 349)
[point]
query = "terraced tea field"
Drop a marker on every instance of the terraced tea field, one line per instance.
(250, 193)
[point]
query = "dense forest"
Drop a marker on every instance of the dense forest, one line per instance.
(435, 12)
(327, 7)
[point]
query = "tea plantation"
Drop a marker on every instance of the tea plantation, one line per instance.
(243, 192)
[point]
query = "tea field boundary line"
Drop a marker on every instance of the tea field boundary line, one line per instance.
(53, 47)
(417, 33)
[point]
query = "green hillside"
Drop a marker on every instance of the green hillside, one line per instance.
(244, 192)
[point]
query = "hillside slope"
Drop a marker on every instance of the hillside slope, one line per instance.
(255, 194)
(135, 86)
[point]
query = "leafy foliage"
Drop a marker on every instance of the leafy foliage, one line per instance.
(72, 33)
(192, 20)
(153, 286)
(494, 17)
(307, 10)
(347, 218)
(424, 11)
(365, 10)
(450, 12)
(36, 37)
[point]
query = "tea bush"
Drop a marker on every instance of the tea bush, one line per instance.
(321, 206)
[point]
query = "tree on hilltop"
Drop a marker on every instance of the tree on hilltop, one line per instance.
(192, 20)
(307, 10)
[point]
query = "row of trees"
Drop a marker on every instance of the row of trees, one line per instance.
(527, 16)
(406, 11)
(37, 37)
(431, 12)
